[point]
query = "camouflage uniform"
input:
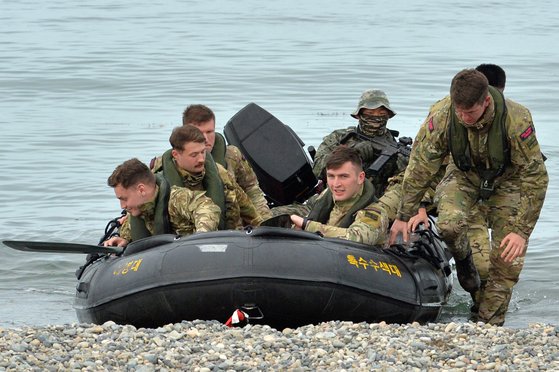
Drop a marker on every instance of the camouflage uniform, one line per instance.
(390, 200)
(478, 233)
(478, 237)
(239, 208)
(240, 171)
(243, 173)
(370, 225)
(370, 99)
(189, 212)
(299, 209)
(514, 206)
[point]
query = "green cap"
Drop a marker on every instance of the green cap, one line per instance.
(372, 99)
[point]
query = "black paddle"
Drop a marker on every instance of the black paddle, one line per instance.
(32, 246)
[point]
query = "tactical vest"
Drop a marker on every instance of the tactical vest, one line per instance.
(219, 150)
(212, 183)
(498, 146)
(162, 225)
(324, 205)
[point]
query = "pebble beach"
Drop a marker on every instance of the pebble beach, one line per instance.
(333, 346)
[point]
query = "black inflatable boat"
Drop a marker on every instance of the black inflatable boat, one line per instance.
(276, 276)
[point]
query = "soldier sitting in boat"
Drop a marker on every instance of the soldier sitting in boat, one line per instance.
(154, 207)
(228, 156)
(383, 156)
(347, 209)
(188, 164)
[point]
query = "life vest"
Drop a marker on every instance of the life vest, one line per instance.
(219, 150)
(162, 225)
(498, 146)
(324, 205)
(211, 183)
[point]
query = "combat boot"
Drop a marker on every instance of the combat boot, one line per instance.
(467, 274)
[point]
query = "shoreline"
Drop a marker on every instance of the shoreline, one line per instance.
(211, 346)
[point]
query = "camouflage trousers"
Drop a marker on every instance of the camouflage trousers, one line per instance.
(456, 198)
(478, 234)
(478, 237)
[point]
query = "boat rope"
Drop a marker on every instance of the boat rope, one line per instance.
(112, 225)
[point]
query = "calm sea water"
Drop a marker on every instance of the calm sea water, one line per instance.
(86, 85)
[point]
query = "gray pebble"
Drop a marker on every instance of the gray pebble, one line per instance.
(339, 346)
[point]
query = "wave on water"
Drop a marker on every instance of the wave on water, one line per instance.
(51, 291)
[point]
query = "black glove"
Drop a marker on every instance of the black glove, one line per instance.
(367, 151)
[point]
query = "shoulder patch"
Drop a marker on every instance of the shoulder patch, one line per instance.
(527, 133)
(372, 215)
(431, 125)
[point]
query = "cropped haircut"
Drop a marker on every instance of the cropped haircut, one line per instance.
(341, 155)
(494, 73)
(196, 114)
(185, 134)
(131, 173)
(468, 88)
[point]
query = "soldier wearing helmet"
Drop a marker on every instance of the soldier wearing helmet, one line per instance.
(370, 138)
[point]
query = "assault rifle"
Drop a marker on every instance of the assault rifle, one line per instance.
(388, 149)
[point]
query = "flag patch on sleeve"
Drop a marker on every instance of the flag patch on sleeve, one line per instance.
(431, 126)
(527, 133)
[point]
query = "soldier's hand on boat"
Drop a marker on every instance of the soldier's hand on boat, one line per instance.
(420, 218)
(515, 247)
(115, 241)
(297, 221)
(399, 227)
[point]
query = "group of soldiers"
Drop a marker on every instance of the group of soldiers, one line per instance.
(475, 163)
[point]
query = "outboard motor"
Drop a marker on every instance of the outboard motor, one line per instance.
(275, 153)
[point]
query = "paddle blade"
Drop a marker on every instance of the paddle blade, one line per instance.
(56, 247)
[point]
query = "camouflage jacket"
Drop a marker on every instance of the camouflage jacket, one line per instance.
(239, 210)
(331, 141)
(370, 225)
(390, 200)
(526, 171)
(189, 212)
(245, 177)
(241, 172)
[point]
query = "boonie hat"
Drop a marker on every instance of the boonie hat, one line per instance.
(372, 99)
